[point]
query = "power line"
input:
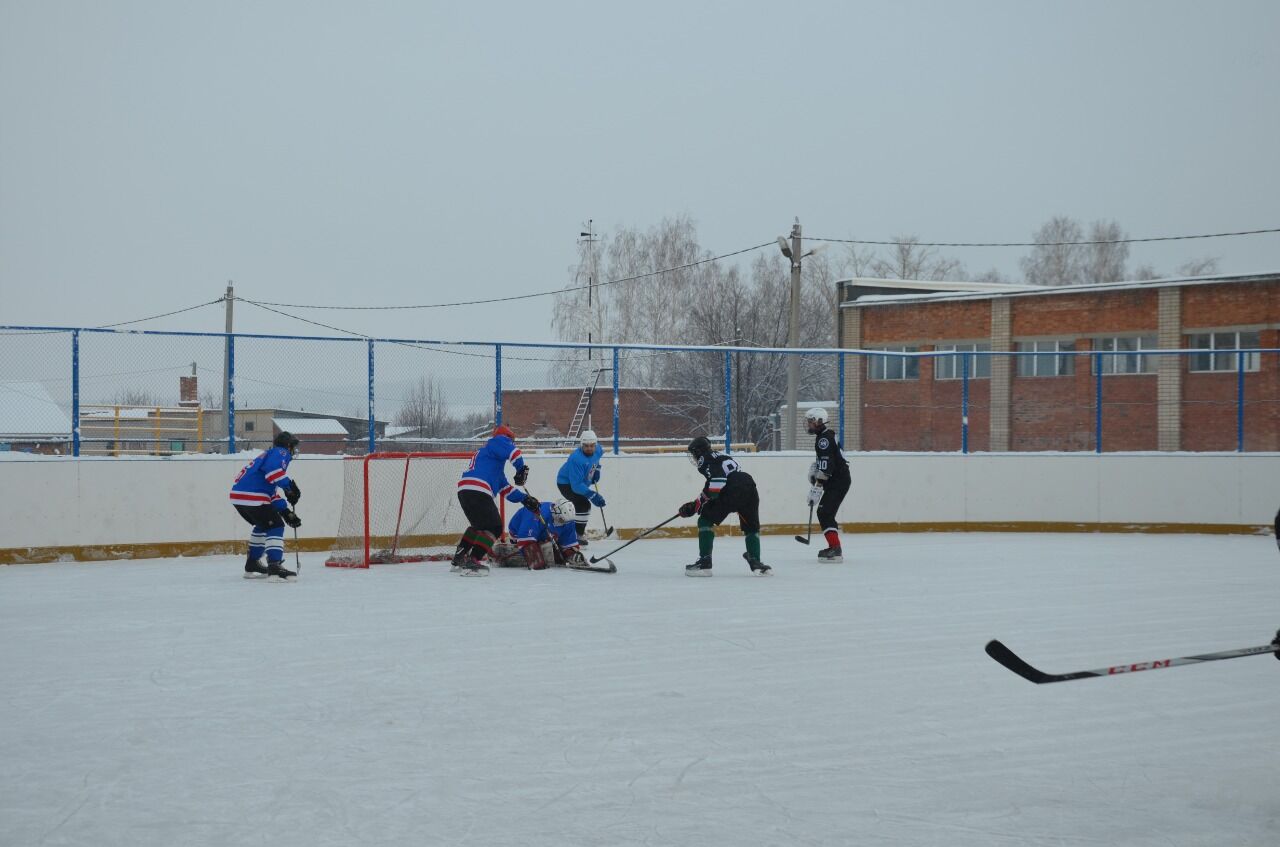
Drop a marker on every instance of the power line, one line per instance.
(1043, 243)
(126, 323)
(646, 275)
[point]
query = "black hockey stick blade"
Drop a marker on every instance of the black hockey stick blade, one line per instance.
(1011, 660)
(802, 539)
(805, 538)
(610, 568)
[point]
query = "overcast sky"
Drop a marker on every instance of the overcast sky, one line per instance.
(413, 152)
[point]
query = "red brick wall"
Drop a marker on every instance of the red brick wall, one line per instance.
(959, 320)
(640, 410)
(1091, 313)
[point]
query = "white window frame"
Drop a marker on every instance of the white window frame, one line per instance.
(905, 368)
(1222, 362)
(1112, 364)
(948, 367)
(1042, 366)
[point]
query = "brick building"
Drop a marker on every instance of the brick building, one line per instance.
(1049, 401)
(662, 413)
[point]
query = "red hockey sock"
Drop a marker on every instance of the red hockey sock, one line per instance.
(833, 537)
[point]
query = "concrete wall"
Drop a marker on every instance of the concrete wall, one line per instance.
(54, 507)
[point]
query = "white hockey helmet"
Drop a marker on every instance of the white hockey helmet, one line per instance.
(588, 437)
(563, 512)
(816, 415)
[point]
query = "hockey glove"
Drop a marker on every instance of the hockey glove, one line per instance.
(1276, 641)
(530, 502)
(815, 495)
(595, 474)
(292, 519)
(596, 499)
(813, 472)
(294, 494)
(688, 510)
(522, 474)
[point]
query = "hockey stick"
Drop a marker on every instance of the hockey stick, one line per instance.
(595, 559)
(1015, 663)
(297, 560)
(808, 532)
(608, 530)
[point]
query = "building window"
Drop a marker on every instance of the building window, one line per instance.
(1131, 362)
(1208, 362)
(950, 367)
(894, 367)
(248, 426)
(1046, 365)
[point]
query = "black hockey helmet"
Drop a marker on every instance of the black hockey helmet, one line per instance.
(699, 447)
(287, 440)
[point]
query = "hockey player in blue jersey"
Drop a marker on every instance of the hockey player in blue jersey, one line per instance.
(264, 495)
(484, 479)
(579, 472)
(545, 536)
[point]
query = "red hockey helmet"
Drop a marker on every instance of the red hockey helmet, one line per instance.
(503, 429)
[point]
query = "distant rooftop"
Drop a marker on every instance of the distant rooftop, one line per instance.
(310, 426)
(890, 291)
(28, 409)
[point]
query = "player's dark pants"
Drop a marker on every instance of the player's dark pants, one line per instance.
(739, 496)
(268, 531)
(833, 491)
(581, 505)
(483, 517)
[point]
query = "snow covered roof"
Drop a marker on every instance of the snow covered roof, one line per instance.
(973, 292)
(310, 426)
(27, 408)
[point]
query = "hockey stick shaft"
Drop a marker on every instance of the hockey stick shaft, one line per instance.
(608, 530)
(297, 560)
(648, 531)
(808, 533)
(1011, 660)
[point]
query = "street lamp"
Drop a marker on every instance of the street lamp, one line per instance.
(792, 252)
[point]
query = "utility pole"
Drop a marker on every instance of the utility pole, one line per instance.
(229, 299)
(589, 238)
(793, 338)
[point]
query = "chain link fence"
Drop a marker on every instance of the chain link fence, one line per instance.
(90, 392)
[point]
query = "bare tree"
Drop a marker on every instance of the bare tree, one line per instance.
(1142, 272)
(1105, 259)
(134, 397)
(908, 260)
(425, 409)
(1202, 266)
(1055, 261)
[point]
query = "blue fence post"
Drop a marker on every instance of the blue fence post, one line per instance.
(964, 404)
(840, 396)
(1240, 402)
(75, 393)
(728, 403)
(497, 384)
(1097, 402)
(615, 402)
(373, 429)
(231, 393)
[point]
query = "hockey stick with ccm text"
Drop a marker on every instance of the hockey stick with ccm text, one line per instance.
(1018, 665)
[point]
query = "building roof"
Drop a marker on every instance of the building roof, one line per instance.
(974, 293)
(310, 426)
(27, 408)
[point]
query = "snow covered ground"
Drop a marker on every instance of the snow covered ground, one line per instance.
(170, 702)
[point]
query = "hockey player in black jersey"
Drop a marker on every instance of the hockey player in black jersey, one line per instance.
(828, 481)
(728, 489)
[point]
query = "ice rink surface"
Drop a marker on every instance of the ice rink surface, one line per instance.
(170, 702)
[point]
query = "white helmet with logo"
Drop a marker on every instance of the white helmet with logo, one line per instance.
(816, 415)
(563, 512)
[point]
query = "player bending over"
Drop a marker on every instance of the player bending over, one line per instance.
(544, 537)
(728, 489)
(579, 472)
(484, 479)
(257, 496)
(828, 481)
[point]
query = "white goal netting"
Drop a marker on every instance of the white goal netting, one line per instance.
(399, 507)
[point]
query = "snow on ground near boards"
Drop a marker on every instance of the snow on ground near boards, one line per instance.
(171, 701)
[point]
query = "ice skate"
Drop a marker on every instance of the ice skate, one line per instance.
(254, 569)
(758, 567)
(831, 554)
(472, 567)
(279, 573)
(702, 567)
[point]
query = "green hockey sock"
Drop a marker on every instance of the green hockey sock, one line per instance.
(753, 545)
(706, 538)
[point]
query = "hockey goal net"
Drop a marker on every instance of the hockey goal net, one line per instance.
(399, 507)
